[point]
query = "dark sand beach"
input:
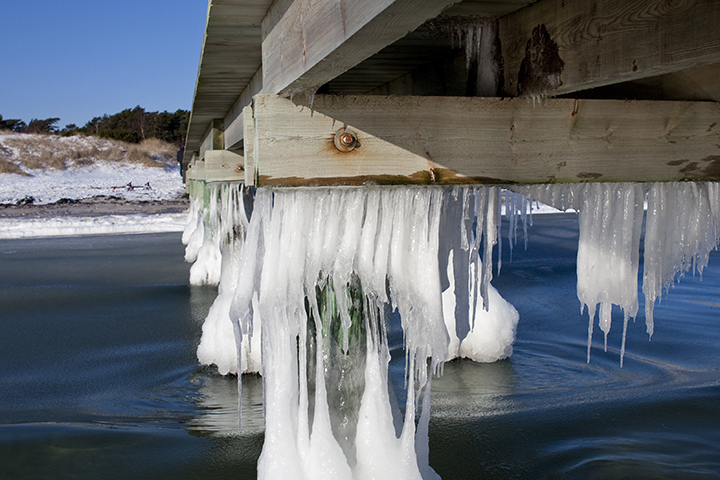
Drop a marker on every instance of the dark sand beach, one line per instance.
(93, 207)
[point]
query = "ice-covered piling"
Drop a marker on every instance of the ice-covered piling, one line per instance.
(318, 271)
(215, 235)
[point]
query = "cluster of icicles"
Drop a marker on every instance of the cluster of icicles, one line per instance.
(682, 227)
(308, 279)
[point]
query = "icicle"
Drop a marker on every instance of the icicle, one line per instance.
(682, 228)
(491, 236)
(608, 251)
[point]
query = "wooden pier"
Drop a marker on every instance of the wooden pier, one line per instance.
(341, 92)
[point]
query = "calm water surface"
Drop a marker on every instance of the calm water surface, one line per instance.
(98, 375)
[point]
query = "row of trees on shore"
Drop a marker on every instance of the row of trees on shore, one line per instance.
(132, 125)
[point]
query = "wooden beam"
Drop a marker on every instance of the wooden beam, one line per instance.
(224, 166)
(234, 130)
(213, 138)
(307, 43)
(467, 140)
(603, 42)
(195, 171)
(250, 142)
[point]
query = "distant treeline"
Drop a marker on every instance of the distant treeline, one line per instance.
(131, 125)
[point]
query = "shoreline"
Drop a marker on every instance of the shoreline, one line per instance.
(95, 207)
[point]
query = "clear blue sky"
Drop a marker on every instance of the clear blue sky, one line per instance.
(78, 59)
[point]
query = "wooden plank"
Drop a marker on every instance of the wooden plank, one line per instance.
(467, 140)
(307, 43)
(603, 42)
(213, 138)
(196, 171)
(250, 144)
(224, 166)
(234, 130)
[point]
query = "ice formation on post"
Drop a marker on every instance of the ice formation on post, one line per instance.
(481, 325)
(214, 236)
(323, 265)
(321, 268)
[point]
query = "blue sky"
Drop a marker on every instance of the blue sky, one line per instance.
(77, 59)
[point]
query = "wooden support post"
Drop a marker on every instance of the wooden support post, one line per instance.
(250, 141)
(591, 43)
(463, 140)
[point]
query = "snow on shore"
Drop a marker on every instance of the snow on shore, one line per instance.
(86, 182)
(102, 179)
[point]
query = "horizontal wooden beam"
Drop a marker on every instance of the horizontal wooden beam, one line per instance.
(224, 166)
(593, 43)
(467, 140)
(308, 43)
(195, 171)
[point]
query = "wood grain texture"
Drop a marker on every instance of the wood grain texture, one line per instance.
(464, 140)
(234, 130)
(223, 165)
(604, 42)
(250, 143)
(307, 43)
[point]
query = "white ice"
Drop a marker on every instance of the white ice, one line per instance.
(682, 227)
(216, 250)
(102, 225)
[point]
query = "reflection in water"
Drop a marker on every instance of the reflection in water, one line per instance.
(485, 389)
(217, 401)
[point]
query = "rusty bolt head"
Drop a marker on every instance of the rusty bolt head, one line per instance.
(346, 140)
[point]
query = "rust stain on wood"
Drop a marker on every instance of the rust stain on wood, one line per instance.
(708, 172)
(438, 176)
(589, 175)
(690, 167)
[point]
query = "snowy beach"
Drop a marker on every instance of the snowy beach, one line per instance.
(101, 198)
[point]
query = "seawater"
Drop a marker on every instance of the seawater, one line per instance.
(99, 378)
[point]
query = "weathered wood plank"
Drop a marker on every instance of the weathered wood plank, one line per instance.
(234, 130)
(466, 140)
(213, 138)
(602, 42)
(307, 43)
(250, 143)
(224, 166)
(195, 171)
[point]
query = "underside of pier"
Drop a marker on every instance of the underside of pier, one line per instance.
(348, 92)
